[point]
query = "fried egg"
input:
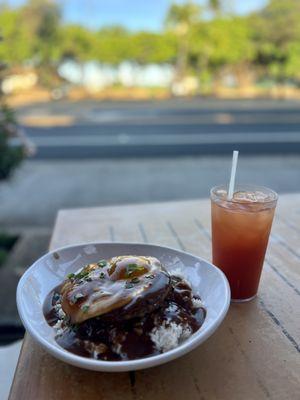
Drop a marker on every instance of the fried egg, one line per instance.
(123, 287)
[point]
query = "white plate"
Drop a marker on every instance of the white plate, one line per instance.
(49, 271)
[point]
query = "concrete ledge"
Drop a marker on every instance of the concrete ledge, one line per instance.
(8, 361)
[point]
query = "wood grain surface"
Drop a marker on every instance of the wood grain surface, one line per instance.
(255, 354)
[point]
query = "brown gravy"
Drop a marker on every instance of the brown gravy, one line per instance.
(115, 340)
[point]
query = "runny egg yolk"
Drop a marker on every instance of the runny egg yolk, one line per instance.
(128, 267)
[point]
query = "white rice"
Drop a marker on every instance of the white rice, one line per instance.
(197, 303)
(169, 335)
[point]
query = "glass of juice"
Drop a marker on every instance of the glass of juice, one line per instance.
(240, 233)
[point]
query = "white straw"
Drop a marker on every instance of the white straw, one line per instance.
(232, 175)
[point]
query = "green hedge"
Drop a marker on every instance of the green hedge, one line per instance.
(10, 156)
(6, 244)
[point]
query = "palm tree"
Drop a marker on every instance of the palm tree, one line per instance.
(180, 18)
(215, 6)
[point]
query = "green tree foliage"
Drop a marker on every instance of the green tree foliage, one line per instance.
(113, 45)
(42, 22)
(10, 157)
(181, 17)
(230, 42)
(276, 35)
(291, 67)
(180, 20)
(16, 46)
(203, 41)
(77, 43)
(215, 6)
(153, 48)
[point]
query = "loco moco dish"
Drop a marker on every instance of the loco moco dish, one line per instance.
(124, 308)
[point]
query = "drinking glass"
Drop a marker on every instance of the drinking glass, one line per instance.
(240, 233)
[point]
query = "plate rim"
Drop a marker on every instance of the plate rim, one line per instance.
(128, 365)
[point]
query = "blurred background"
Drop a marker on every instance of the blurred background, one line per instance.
(106, 103)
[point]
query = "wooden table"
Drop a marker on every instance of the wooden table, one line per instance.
(255, 354)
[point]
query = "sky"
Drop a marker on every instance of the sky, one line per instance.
(133, 14)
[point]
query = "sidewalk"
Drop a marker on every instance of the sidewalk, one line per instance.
(40, 188)
(32, 244)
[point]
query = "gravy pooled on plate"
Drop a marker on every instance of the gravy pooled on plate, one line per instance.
(124, 308)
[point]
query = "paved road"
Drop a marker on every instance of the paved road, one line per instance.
(88, 129)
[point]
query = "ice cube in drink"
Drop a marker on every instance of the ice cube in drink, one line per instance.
(240, 234)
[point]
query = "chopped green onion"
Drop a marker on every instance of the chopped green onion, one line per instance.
(85, 308)
(82, 274)
(102, 263)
